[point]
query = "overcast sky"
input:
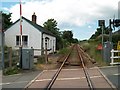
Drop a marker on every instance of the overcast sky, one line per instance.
(80, 16)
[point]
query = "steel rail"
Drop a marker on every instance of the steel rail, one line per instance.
(112, 86)
(86, 55)
(85, 70)
(58, 71)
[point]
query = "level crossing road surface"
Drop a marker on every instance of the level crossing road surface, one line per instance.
(70, 78)
(26, 79)
(113, 74)
(18, 80)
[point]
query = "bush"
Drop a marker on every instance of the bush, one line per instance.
(64, 51)
(11, 70)
(41, 59)
(86, 46)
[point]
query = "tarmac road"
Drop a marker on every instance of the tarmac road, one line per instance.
(19, 80)
(113, 74)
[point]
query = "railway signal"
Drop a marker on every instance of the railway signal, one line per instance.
(101, 22)
(116, 22)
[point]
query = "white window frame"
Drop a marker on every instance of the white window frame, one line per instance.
(24, 43)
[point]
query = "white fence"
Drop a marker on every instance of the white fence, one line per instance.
(113, 57)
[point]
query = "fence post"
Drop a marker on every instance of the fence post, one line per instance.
(10, 57)
(112, 56)
(46, 57)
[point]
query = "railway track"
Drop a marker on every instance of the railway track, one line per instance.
(83, 66)
(80, 77)
(85, 69)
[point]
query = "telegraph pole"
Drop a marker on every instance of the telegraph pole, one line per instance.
(2, 46)
(2, 39)
(102, 35)
(110, 31)
(102, 25)
(102, 40)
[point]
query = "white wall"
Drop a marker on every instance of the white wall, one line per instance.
(34, 36)
(51, 44)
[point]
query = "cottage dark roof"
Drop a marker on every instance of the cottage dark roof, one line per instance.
(38, 27)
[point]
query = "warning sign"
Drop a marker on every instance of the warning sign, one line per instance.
(118, 45)
(99, 47)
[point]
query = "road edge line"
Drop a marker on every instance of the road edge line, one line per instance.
(33, 79)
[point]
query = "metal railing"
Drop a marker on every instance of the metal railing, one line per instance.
(113, 57)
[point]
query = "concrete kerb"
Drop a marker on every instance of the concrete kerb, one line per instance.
(12, 75)
(108, 66)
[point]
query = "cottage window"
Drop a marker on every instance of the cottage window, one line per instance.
(17, 40)
(24, 40)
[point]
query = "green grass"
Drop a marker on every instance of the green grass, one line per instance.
(41, 60)
(90, 48)
(64, 51)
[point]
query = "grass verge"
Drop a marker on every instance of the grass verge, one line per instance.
(91, 48)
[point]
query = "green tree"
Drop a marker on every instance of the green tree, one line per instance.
(51, 25)
(6, 20)
(68, 35)
(75, 40)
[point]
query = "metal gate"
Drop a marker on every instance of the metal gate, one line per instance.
(107, 51)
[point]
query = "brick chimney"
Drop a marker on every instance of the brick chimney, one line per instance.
(34, 18)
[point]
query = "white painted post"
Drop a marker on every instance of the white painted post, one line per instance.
(112, 56)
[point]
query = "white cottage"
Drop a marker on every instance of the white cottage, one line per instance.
(33, 35)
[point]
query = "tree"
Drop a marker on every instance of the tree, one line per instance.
(51, 25)
(68, 35)
(75, 40)
(6, 20)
